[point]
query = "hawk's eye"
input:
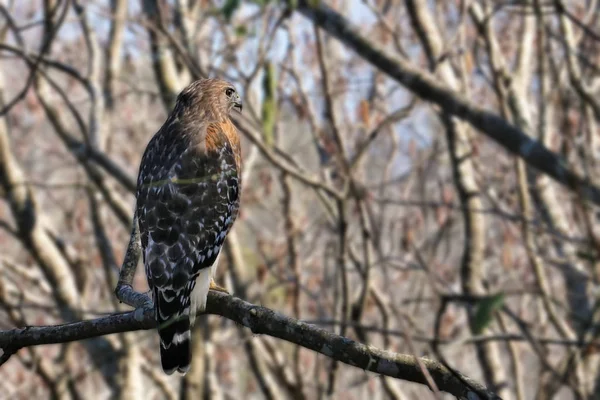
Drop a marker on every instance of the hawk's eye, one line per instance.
(229, 92)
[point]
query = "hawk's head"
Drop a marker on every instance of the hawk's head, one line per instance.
(210, 96)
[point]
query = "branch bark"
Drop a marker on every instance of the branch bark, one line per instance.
(260, 320)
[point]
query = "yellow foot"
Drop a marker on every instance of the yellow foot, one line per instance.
(217, 288)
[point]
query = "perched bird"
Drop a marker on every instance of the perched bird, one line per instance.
(188, 196)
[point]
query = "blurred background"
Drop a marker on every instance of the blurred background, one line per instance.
(365, 210)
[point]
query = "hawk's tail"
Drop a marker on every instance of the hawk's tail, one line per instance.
(174, 332)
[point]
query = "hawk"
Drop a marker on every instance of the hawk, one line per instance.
(188, 196)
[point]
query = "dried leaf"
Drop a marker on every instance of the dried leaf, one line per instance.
(364, 112)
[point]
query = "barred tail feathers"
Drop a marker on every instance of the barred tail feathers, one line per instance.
(174, 325)
(174, 331)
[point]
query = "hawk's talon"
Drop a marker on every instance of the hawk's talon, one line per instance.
(217, 288)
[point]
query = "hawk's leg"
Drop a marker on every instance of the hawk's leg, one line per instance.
(217, 288)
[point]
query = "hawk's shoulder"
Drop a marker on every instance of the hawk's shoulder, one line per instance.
(163, 151)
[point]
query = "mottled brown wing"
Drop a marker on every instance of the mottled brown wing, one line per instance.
(187, 200)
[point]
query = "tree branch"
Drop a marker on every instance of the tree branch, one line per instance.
(264, 321)
(428, 88)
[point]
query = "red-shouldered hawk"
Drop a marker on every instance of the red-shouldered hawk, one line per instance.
(188, 196)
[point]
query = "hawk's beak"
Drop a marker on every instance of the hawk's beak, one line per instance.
(237, 103)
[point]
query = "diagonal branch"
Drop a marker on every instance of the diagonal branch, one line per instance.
(264, 321)
(428, 88)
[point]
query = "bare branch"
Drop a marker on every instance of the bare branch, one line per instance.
(428, 88)
(261, 320)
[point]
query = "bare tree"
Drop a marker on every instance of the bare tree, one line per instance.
(422, 198)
